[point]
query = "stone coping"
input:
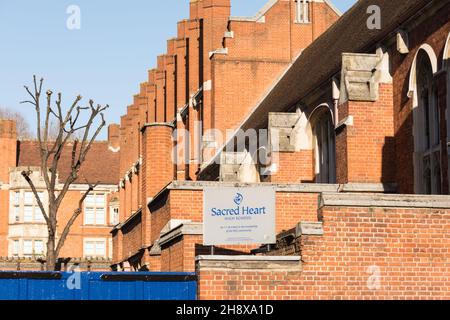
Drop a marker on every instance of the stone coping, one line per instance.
(247, 258)
(157, 124)
(193, 228)
(301, 187)
(279, 187)
(384, 200)
(250, 263)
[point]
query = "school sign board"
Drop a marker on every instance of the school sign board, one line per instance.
(238, 215)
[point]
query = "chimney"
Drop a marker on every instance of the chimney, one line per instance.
(8, 148)
(113, 136)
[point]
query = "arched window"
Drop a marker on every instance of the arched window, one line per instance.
(427, 129)
(446, 66)
(324, 145)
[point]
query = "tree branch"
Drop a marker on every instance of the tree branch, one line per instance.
(51, 154)
(74, 217)
(26, 175)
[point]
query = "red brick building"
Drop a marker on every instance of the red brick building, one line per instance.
(212, 51)
(353, 111)
(23, 231)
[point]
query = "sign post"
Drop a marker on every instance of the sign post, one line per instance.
(238, 216)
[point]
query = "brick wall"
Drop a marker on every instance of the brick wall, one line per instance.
(188, 205)
(257, 54)
(409, 247)
(131, 240)
(294, 167)
(179, 256)
(185, 204)
(249, 278)
(73, 247)
(369, 142)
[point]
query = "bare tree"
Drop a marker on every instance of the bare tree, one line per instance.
(68, 128)
(23, 127)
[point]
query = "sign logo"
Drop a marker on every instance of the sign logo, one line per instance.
(238, 199)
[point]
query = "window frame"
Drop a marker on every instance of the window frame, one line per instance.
(95, 242)
(302, 11)
(22, 200)
(96, 207)
(429, 148)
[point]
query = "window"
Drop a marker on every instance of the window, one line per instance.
(446, 59)
(28, 198)
(27, 247)
(428, 145)
(29, 207)
(15, 207)
(114, 219)
(302, 11)
(32, 247)
(39, 247)
(324, 137)
(28, 214)
(95, 248)
(15, 198)
(94, 209)
(15, 248)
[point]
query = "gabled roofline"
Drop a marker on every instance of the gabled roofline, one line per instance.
(247, 117)
(335, 9)
(259, 16)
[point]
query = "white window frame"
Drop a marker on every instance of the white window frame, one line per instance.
(43, 247)
(14, 206)
(95, 242)
(34, 251)
(22, 199)
(96, 207)
(26, 241)
(15, 247)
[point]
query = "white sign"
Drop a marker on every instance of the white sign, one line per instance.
(238, 216)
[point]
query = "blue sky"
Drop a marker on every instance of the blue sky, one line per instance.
(105, 60)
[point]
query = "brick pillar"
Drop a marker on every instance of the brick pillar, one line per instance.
(365, 149)
(8, 148)
(182, 148)
(216, 18)
(114, 136)
(194, 85)
(157, 167)
(160, 91)
(291, 149)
